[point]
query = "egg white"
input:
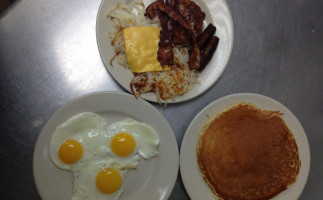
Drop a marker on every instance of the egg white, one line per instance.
(146, 138)
(86, 128)
(84, 181)
(95, 136)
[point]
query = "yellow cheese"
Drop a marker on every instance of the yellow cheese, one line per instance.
(141, 49)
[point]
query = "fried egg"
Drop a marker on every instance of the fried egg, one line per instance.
(78, 140)
(99, 180)
(128, 139)
(99, 154)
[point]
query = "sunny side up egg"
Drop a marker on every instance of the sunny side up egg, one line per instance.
(77, 141)
(100, 155)
(98, 180)
(128, 138)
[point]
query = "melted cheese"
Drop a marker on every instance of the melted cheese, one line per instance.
(141, 49)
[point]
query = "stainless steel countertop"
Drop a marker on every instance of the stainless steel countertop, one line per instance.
(49, 56)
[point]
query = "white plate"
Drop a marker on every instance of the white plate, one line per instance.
(192, 178)
(153, 179)
(220, 17)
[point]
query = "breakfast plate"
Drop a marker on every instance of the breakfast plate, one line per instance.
(192, 178)
(152, 179)
(220, 17)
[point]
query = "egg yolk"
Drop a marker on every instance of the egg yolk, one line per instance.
(123, 144)
(108, 181)
(70, 151)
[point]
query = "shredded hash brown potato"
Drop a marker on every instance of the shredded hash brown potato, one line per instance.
(165, 84)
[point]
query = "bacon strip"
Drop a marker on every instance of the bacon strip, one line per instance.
(165, 50)
(195, 56)
(181, 36)
(171, 2)
(169, 11)
(193, 15)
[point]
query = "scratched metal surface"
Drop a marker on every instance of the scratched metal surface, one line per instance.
(49, 56)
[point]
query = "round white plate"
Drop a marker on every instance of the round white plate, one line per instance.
(192, 178)
(152, 179)
(217, 13)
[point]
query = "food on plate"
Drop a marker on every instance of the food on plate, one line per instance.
(146, 138)
(98, 180)
(142, 42)
(99, 155)
(128, 139)
(179, 56)
(174, 14)
(208, 51)
(76, 141)
(165, 46)
(247, 153)
(192, 13)
(204, 37)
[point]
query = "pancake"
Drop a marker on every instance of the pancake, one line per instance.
(247, 153)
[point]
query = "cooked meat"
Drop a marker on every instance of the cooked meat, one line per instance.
(165, 50)
(209, 51)
(173, 14)
(169, 11)
(171, 2)
(181, 36)
(205, 36)
(193, 14)
(195, 57)
(189, 8)
(151, 9)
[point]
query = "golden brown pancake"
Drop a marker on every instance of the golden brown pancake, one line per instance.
(247, 153)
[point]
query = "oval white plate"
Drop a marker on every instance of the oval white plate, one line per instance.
(192, 178)
(153, 179)
(220, 17)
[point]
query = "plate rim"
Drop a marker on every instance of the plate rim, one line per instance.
(37, 147)
(152, 98)
(305, 166)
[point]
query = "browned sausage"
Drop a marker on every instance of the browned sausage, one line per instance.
(205, 36)
(209, 51)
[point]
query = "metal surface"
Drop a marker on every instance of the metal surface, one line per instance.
(49, 55)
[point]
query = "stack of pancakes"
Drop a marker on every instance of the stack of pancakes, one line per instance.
(247, 153)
